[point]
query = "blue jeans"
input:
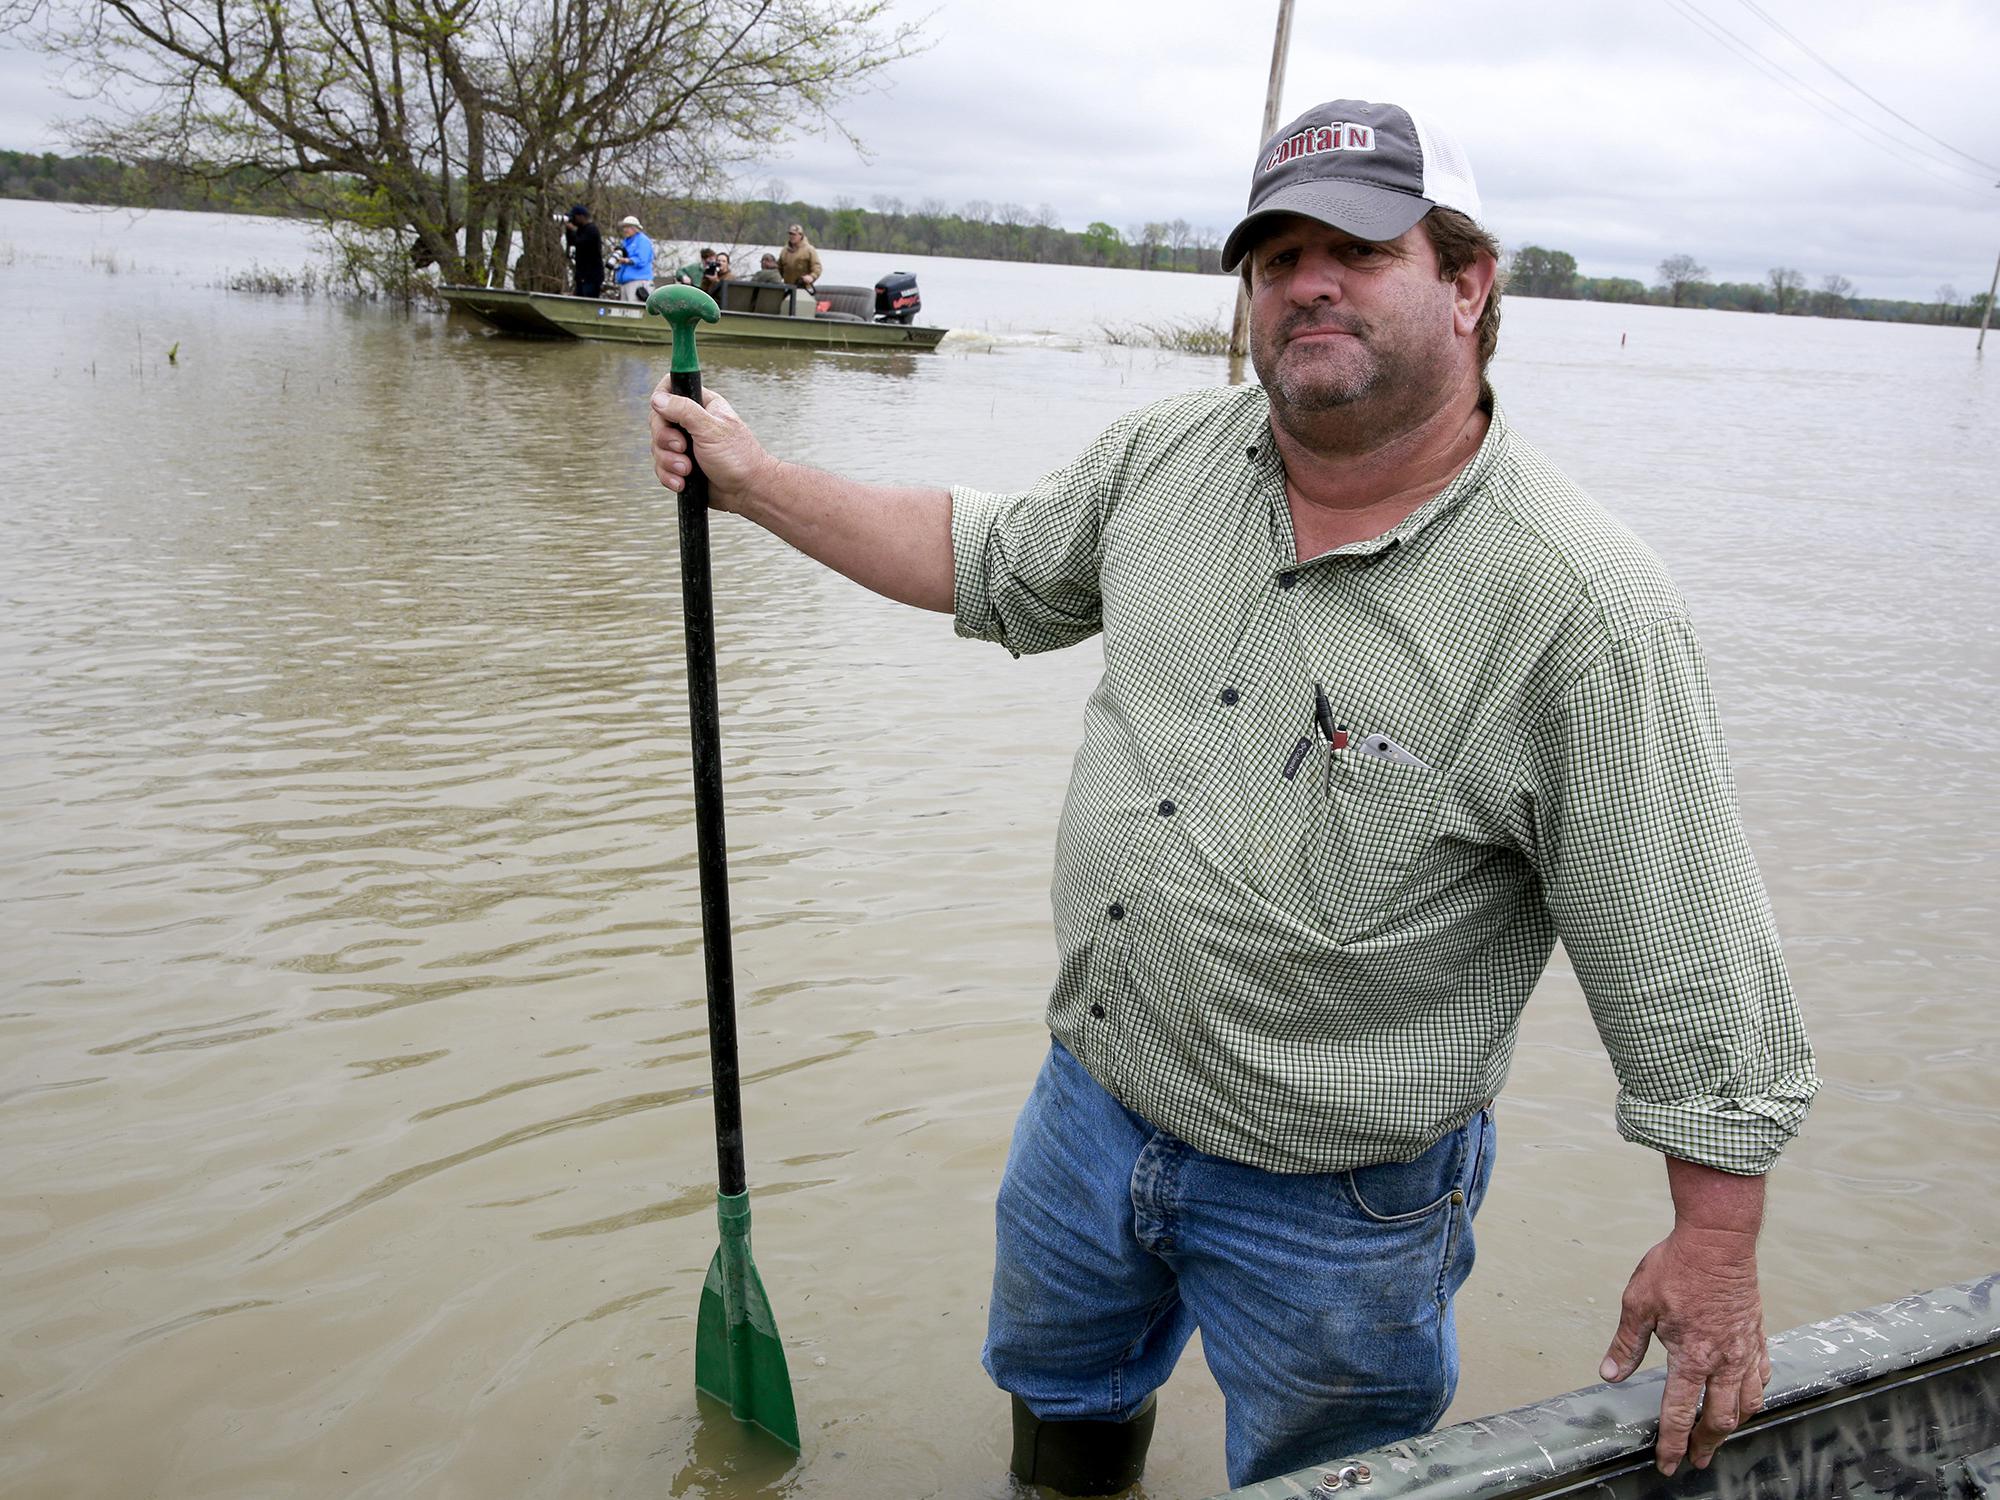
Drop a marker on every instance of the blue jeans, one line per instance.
(1323, 1300)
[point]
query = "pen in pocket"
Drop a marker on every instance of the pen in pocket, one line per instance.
(1323, 714)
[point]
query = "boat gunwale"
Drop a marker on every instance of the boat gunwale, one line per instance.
(1568, 1442)
(815, 333)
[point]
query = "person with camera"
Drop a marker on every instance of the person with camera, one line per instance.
(585, 243)
(700, 271)
(634, 276)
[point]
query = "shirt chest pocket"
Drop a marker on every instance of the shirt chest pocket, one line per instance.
(1372, 824)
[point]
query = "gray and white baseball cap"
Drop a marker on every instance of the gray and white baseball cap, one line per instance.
(1372, 170)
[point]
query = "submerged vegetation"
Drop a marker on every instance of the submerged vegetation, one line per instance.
(265, 281)
(1180, 335)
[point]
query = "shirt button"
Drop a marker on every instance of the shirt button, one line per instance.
(1115, 912)
(1097, 1011)
(1166, 809)
(1229, 697)
(1286, 580)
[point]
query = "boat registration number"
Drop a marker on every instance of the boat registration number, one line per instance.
(621, 312)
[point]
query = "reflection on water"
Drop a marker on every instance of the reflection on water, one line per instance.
(353, 1085)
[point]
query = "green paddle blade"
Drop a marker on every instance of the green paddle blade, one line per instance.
(737, 1355)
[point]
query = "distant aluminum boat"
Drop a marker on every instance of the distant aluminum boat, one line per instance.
(752, 313)
(1901, 1400)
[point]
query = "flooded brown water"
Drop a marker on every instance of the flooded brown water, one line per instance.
(354, 1137)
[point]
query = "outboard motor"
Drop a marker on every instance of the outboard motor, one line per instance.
(896, 299)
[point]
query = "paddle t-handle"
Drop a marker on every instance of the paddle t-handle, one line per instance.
(683, 306)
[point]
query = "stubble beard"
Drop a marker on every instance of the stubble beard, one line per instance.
(1312, 378)
(1355, 400)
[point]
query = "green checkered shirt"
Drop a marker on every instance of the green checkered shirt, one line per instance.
(1310, 958)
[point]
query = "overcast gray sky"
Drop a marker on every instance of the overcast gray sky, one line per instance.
(1619, 130)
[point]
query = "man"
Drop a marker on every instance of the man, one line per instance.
(1388, 707)
(699, 271)
(767, 273)
(798, 262)
(634, 277)
(585, 242)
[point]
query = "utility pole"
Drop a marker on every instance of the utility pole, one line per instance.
(1239, 331)
(1986, 313)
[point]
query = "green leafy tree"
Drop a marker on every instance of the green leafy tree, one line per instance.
(1103, 243)
(847, 225)
(1611, 289)
(1535, 272)
(1787, 282)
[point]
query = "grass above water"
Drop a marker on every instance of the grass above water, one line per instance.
(1181, 335)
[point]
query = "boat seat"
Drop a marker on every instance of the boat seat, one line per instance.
(755, 297)
(857, 302)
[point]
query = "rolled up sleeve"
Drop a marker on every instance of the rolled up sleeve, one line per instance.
(1026, 566)
(1657, 899)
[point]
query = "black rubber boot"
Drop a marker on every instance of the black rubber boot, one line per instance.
(1082, 1458)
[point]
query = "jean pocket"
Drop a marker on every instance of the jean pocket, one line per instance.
(1376, 820)
(1401, 1192)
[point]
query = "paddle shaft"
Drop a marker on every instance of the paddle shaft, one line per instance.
(712, 850)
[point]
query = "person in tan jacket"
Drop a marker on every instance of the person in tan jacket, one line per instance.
(798, 262)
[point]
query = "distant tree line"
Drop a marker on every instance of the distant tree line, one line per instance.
(977, 230)
(100, 180)
(1533, 271)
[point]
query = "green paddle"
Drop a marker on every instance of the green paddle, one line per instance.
(737, 1355)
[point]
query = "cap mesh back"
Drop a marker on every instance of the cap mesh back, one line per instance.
(1447, 172)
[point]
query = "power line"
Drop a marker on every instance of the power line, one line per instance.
(1765, 16)
(1785, 76)
(1831, 108)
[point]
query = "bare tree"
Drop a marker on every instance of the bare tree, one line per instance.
(1179, 232)
(889, 210)
(1208, 248)
(1786, 284)
(1680, 272)
(1834, 296)
(1047, 224)
(979, 215)
(1948, 303)
(1012, 218)
(929, 220)
(458, 122)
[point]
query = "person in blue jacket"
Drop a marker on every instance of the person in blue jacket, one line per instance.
(635, 262)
